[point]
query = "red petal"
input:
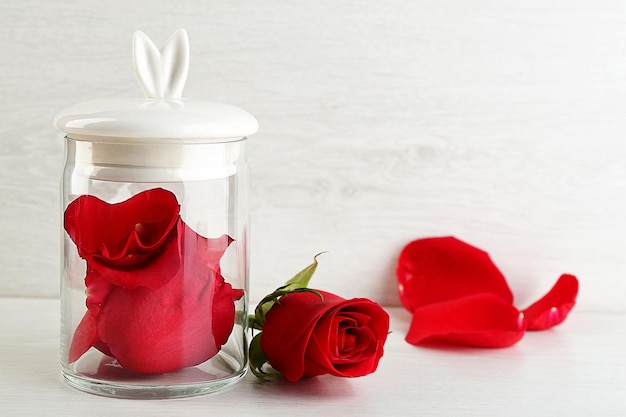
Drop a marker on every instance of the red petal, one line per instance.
(348, 340)
(482, 320)
(97, 291)
(180, 324)
(122, 235)
(552, 309)
(166, 264)
(85, 336)
(158, 272)
(208, 251)
(440, 269)
(237, 294)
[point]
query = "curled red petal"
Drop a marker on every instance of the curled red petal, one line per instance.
(167, 262)
(553, 308)
(439, 269)
(154, 274)
(122, 235)
(481, 320)
(237, 293)
(348, 340)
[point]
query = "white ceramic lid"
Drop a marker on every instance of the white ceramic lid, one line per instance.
(163, 116)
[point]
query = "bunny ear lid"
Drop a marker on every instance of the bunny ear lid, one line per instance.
(161, 73)
(163, 116)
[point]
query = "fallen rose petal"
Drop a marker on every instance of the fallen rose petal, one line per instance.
(552, 309)
(481, 320)
(438, 269)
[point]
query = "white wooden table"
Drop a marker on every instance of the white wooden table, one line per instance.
(577, 369)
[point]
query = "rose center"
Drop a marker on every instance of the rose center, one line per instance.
(347, 341)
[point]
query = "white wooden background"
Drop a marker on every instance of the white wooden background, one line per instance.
(500, 122)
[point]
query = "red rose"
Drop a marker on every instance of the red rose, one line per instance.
(305, 336)
(156, 300)
(181, 324)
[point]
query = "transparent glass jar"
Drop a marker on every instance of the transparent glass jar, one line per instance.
(155, 267)
(154, 277)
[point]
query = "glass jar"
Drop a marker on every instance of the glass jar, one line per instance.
(154, 276)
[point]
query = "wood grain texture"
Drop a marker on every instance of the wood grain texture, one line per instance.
(578, 369)
(381, 122)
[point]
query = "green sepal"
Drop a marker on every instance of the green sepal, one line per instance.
(302, 278)
(252, 323)
(296, 283)
(258, 360)
(258, 320)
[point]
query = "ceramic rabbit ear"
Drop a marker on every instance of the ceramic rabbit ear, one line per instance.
(161, 73)
(164, 116)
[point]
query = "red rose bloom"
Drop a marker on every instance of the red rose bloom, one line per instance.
(457, 295)
(156, 300)
(305, 336)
